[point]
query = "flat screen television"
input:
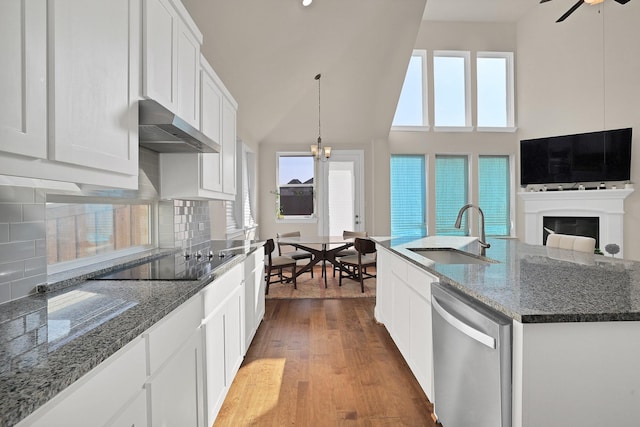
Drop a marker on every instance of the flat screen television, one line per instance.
(585, 157)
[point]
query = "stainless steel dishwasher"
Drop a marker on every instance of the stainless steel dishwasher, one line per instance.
(472, 361)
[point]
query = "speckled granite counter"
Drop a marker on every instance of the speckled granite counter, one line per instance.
(536, 284)
(49, 340)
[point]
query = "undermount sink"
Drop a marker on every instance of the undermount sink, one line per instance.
(450, 256)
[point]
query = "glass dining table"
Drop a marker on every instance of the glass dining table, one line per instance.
(322, 248)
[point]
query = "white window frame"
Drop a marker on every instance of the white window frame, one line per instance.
(313, 218)
(425, 99)
(466, 55)
(509, 57)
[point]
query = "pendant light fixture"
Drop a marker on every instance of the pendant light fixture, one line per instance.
(317, 150)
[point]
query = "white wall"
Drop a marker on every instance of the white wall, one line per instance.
(582, 75)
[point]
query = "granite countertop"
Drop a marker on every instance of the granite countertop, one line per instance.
(535, 284)
(51, 339)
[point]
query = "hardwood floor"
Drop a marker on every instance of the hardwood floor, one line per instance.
(324, 362)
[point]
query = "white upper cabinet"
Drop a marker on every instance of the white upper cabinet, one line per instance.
(229, 109)
(206, 175)
(23, 77)
(211, 124)
(171, 58)
(94, 64)
(69, 84)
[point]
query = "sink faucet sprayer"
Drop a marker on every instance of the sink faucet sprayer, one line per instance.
(482, 240)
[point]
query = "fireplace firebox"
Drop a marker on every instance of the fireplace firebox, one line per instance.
(574, 225)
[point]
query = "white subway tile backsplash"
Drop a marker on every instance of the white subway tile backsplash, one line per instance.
(14, 251)
(34, 212)
(10, 271)
(10, 212)
(4, 233)
(5, 292)
(27, 231)
(23, 287)
(17, 194)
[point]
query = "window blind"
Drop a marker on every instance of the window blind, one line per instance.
(408, 194)
(493, 192)
(451, 193)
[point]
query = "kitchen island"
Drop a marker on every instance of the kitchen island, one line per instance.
(52, 343)
(576, 335)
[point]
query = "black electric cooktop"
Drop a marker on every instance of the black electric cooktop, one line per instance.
(168, 268)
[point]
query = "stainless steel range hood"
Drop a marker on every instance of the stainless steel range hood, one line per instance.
(162, 131)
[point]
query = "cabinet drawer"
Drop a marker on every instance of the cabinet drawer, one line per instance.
(398, 267)
(221, 288)
(168, 335)
(420, 281)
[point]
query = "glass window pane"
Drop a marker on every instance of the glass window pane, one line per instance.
(409, 111)
(296, 185)
(451, 194)
(493, 188)
(76, 231)
(449, 90)
(408, 193)
(492, 92)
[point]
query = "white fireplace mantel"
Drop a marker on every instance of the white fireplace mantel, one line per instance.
(607, 205)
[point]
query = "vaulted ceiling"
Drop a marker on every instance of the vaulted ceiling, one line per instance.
(268, 52)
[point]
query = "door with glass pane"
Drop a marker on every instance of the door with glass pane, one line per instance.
(342, 192)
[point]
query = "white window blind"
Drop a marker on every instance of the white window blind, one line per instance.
(408, 195)
(493, 191)
(451, 193)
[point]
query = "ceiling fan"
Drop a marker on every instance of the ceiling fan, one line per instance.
(578, 4)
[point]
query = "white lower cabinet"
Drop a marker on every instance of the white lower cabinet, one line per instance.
(223, 334)
(100, 395)
(254, 294)
(174, 392)
(177, 373)
(403, 304)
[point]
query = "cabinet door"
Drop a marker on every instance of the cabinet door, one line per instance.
(210, 125)
(234, 334)
(23, 77)
(215, 380)
(383, 288)
(421, 353)
(188, 75)
(175, 391)
(228, 147)
(94, 53)
(160, 50)
(134, 415)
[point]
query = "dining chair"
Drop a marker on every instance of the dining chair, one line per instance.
(348, 252)
(358, 264)
(274, 266)
(295, 253)
(574, 243)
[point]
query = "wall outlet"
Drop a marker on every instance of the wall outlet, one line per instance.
(201, 226)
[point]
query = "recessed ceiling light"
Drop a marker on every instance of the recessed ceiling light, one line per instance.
(306, 2)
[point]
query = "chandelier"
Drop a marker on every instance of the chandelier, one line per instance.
(317, 150)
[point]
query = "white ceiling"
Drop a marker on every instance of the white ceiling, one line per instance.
(479, 10)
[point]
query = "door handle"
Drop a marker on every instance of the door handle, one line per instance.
(469, 331)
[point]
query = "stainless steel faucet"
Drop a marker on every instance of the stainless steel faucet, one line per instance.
(482, 239)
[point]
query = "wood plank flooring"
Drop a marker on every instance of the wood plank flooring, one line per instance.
(324, 362)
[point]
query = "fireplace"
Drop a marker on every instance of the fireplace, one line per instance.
(588, 226)
(607, 206)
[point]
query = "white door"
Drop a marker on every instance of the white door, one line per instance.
(342, 193)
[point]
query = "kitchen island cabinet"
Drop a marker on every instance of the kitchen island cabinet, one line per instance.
(575, 317)
(77, 120)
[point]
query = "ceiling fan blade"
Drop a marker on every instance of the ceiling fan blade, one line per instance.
(544, 1)
(570, 11)
(618, 1)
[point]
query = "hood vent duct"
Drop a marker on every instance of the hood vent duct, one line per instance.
(162, 131)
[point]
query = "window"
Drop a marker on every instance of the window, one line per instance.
(77, 231)
(495, 97)
(451, 193)
(411, 110)
(296, 186)
(493, 193)
(408, 192)
(451, 89)
(240, 212)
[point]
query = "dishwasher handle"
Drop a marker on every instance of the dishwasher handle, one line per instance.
(469, 331)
